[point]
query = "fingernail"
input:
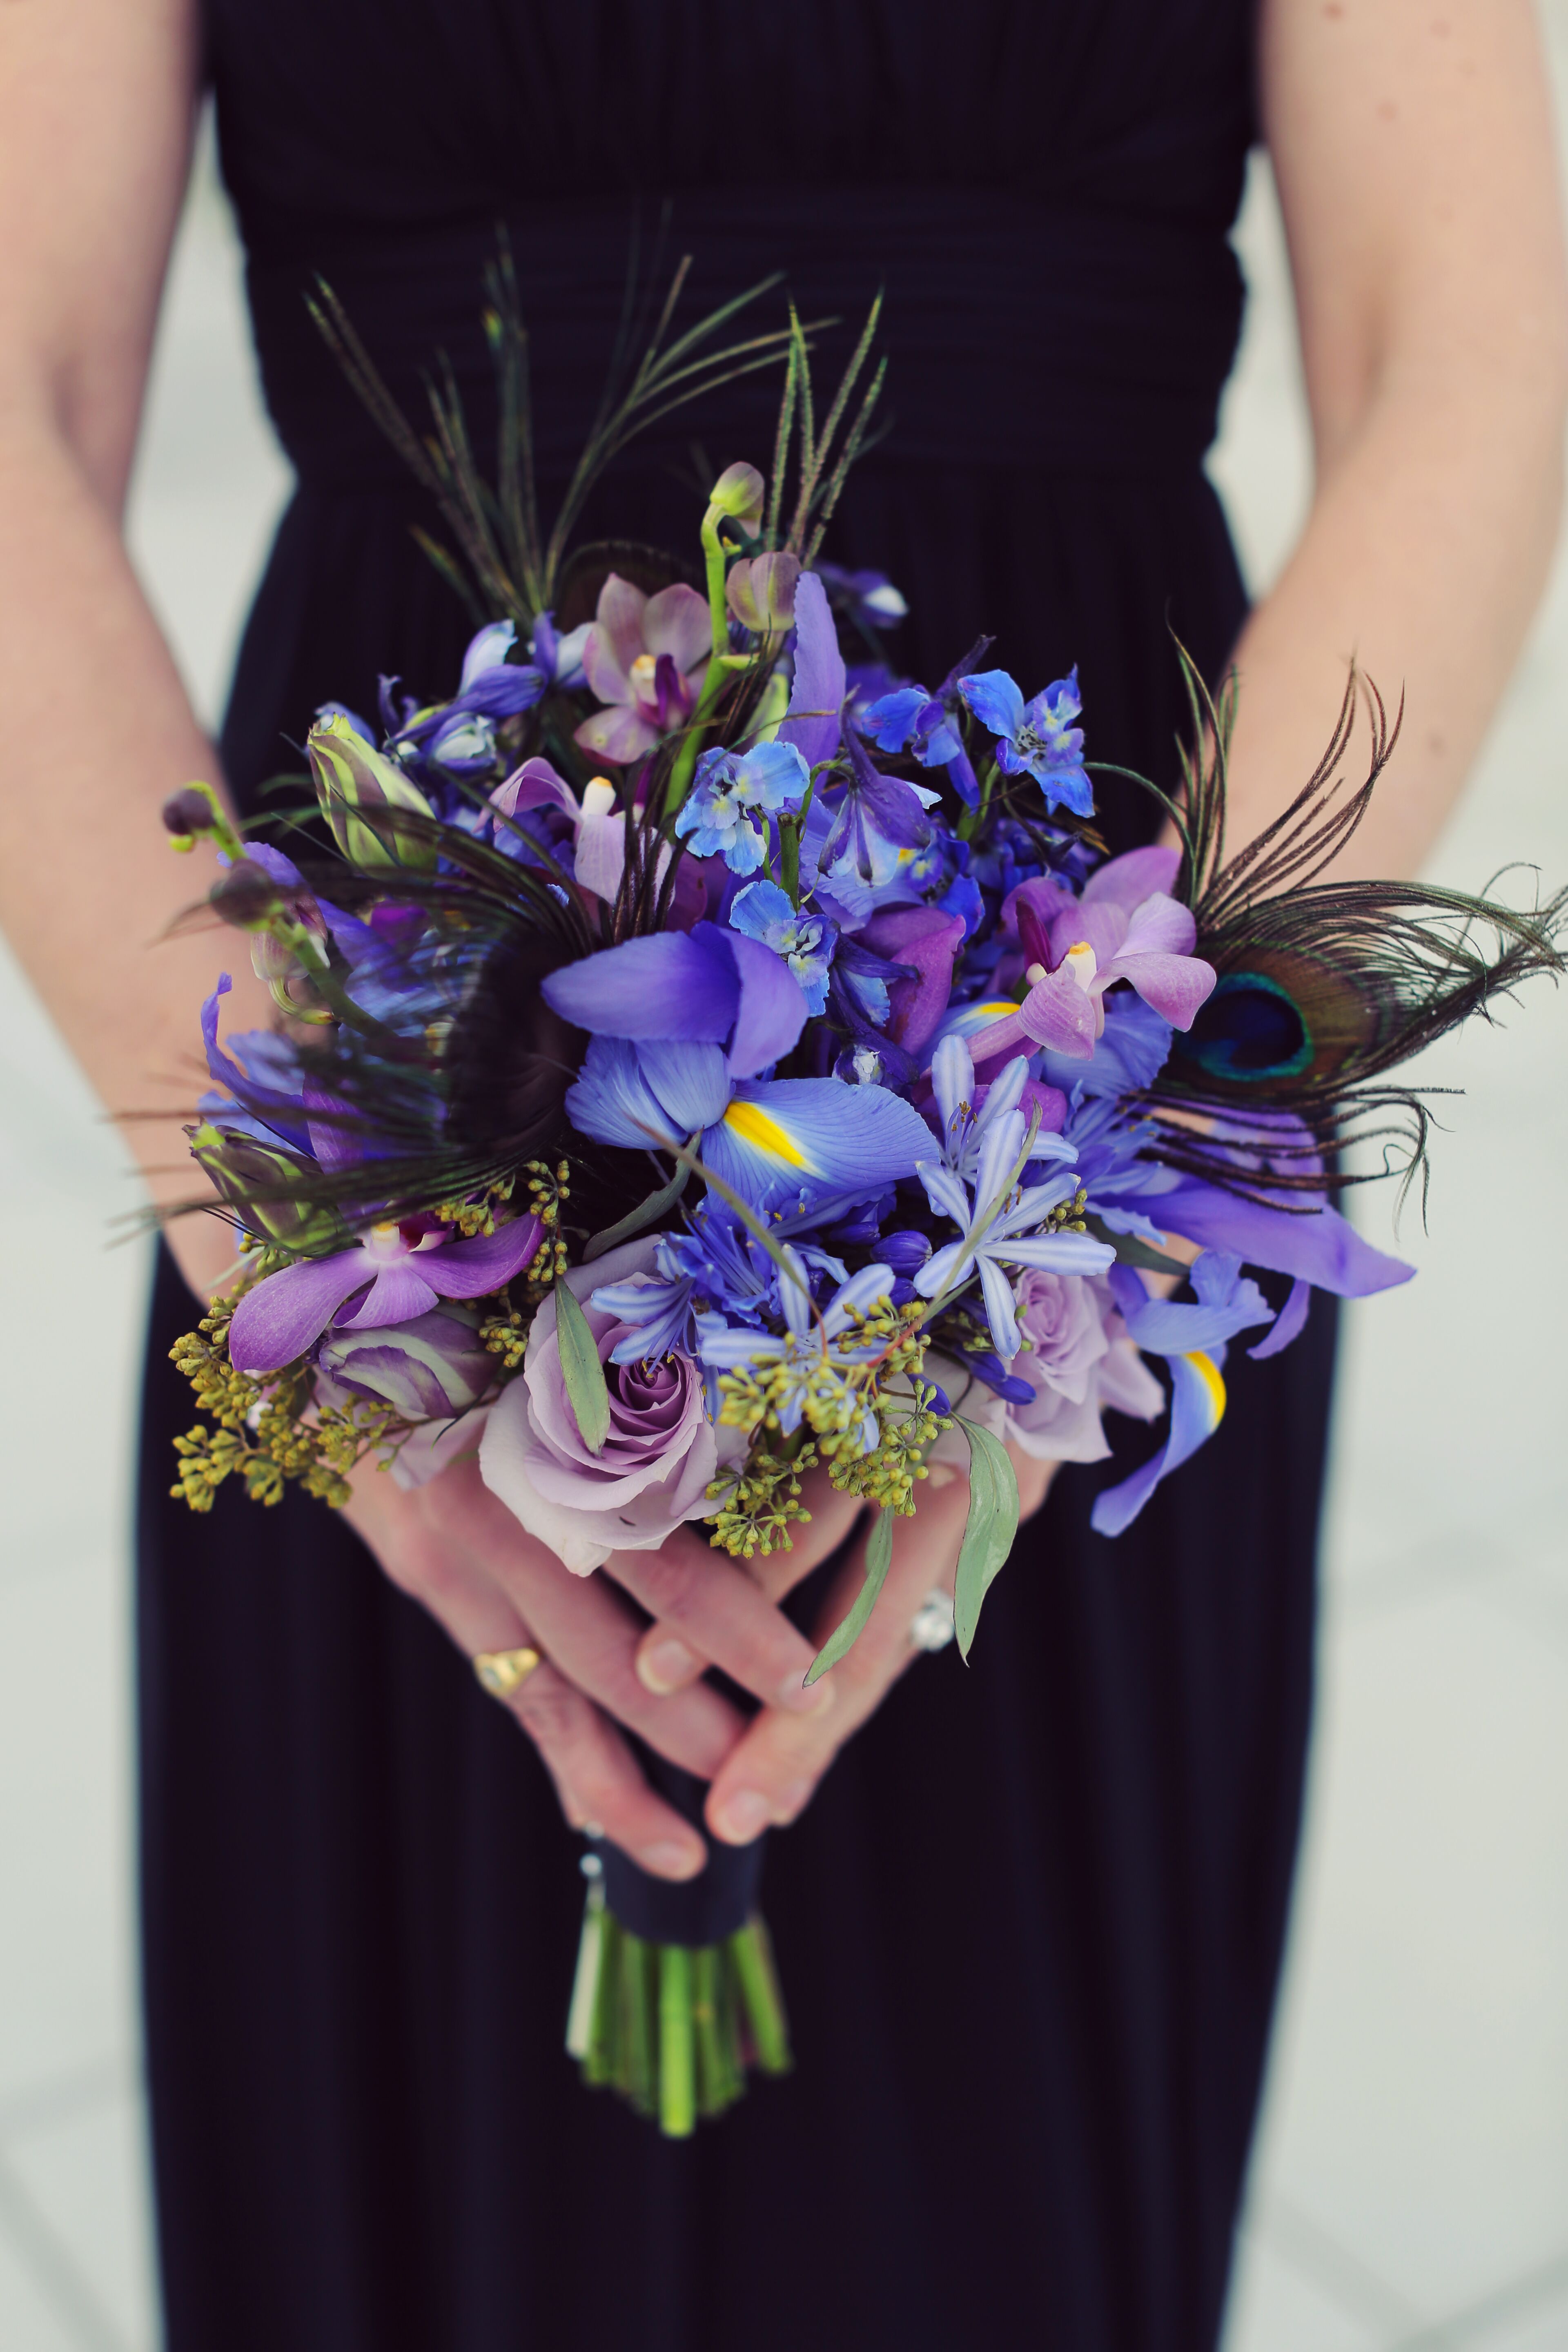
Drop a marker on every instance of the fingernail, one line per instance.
(805, 1698)
(670, 1861)
(940, 1474)
(743, 1816)
(666, 1666)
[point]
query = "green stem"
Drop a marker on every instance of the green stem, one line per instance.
(682, 772)
(677, 2084)
(601, 2062)
(637, 2079)
(760, 1996)
(714, 563)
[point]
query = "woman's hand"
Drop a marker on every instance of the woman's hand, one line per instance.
(769, 1774)
(453, 1547)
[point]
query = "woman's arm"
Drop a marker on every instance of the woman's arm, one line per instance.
(96, 107)
(96, 104)
(1412, 149)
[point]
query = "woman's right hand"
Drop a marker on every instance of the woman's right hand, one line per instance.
(452, 1546)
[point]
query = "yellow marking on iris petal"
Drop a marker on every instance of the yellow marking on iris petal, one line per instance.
(1208, 1371)
(756, 1127)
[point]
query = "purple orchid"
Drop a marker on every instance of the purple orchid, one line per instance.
(1035, 739)
(645, 659)
(275, 1323)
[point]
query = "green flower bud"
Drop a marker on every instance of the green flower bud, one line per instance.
(739, 492)
(350, 775)
(239, 1168)
(192, 814)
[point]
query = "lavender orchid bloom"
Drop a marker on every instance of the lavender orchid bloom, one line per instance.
(1035, 739)
(286, 1314)
(733, 795)
(993, 1232)
(645, 659)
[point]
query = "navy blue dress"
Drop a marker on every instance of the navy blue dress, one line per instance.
(1030, 1929)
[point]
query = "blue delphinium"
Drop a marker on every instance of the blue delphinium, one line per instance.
(908, 718)
(1037, 738)
(875, 818)
(805, 941)
(734, 794)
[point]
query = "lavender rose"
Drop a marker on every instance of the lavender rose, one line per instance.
(656, 1464)
(433, 1368)
(1079, 1360)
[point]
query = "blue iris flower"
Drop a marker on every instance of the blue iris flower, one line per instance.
(805, 941)
(1037, 738)
(731, 797)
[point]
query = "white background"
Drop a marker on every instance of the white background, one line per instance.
(1411, 2185)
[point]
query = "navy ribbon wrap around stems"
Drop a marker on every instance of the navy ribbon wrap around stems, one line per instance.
(706, 1909)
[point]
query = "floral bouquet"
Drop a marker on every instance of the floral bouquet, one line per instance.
(704, 1055)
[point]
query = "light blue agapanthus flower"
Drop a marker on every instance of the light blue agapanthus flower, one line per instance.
(998, 1231)
(1037, 738)
(732, 796)
(763, 911)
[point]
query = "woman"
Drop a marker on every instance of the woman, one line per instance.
(1030, 1924)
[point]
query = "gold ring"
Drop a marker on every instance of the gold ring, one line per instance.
(504, 1672)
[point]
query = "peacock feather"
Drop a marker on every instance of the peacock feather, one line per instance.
(1323, 987)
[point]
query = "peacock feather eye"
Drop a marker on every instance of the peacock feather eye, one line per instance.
(1250, 1029)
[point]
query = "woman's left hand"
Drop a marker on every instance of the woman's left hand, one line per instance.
(770, 1774)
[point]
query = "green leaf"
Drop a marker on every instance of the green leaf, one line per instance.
(988, 1531)
(879, 1555)
(1131, 1251)
(582, 1372)
(647, 1213)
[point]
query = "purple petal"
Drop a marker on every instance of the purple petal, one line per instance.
(816, 696)
(1128, 880)
(1288, 1323)
(1158, 926)
(286, 1314)
(1175, 985)
(534, 785)
(996, 700)
(396, 1295)
(772, 1006)
(671, 984)
(1058, 1014)
(1319, 1247)
(468, 1269)
(928, 940)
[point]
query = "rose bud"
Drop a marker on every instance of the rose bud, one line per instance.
(426, 1370)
